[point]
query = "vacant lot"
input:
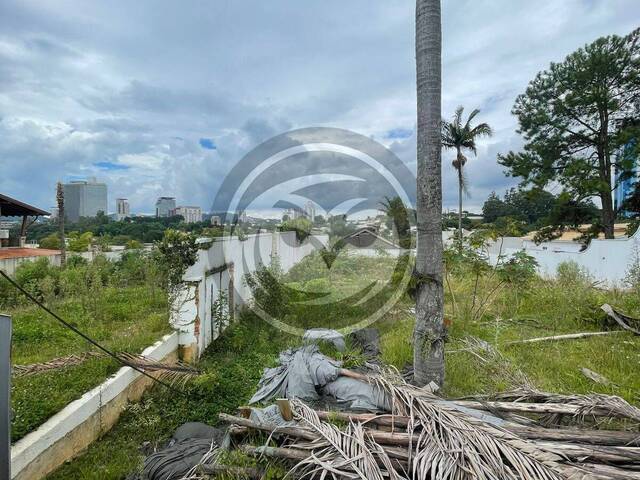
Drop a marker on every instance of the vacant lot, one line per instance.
(510, 311)
(118, 304)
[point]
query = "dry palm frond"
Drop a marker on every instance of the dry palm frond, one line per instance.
(54, 364)
(348, 453)
(451, 446)
(176, 374)
(617, 406)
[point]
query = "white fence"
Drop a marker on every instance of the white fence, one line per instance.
(607, 261)
(215, 282)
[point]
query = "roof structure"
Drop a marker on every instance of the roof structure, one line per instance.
(355, 238)
(10, 207)
(26, 252)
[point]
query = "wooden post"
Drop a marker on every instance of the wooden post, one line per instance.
(5, 396)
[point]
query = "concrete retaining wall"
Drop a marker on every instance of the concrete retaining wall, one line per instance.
(9, 265)
(70, 431)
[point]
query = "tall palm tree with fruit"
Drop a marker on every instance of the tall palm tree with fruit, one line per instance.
(459, 136)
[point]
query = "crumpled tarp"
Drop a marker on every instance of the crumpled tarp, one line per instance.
(188, 444)
(270, 416)
(307, 374)
(369, 340)
(173, 462)
(334, 337)
(300, 372)
(356, 395)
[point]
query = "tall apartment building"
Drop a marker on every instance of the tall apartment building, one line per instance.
(84, 199)
(122, 208)
(627, 186)
(189, 214)
(165, 206)
(310, 210)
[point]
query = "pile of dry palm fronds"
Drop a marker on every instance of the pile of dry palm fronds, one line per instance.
(425, 437)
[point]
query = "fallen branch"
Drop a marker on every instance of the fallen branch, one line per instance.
(569, 336)
(621, 319)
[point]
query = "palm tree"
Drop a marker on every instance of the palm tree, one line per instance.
(429, 332)
(458, 136)
(60, 200)
(397, 213)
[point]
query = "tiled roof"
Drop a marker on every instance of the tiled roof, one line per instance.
(26, 252)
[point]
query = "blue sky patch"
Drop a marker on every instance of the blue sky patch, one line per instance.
(207, 143)
(110, 166)
(399, 133)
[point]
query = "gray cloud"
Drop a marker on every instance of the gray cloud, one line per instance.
(137, 84)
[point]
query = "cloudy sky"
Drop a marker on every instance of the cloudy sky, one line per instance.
(163, 98)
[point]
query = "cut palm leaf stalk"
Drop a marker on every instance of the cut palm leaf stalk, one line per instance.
(594, 437)
(176, 374)
(54, 364)
(527, 400)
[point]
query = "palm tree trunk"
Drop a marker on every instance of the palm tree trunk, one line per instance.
(63, 246)
(460, 203)
(428, 335)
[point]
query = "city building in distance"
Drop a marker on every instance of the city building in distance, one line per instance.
(84, 198)
(627, 186)
(189, 214)
(122, 208)
(165, 206)
(215, 220)
(310, 210)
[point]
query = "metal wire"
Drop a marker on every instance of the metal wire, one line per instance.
(87, 337)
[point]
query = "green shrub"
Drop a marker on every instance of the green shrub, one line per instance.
(51, 241)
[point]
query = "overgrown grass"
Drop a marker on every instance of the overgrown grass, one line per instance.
(234, 363)
(116, 304)
(233, 366)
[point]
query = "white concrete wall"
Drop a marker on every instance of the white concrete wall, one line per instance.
(9, 265)
(607, 261)
(191, 312)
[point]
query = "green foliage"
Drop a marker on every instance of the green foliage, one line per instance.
(632, 276)
(133, 245)
(574, 118)
(177, 251)
(51, 241)
(519, 270)
(269, 291)
(494, 208)
(79, 242)
(302, 227)
(570, 273)
(569, 213)
(398, 219)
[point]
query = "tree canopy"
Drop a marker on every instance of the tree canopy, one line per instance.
(576, 116)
